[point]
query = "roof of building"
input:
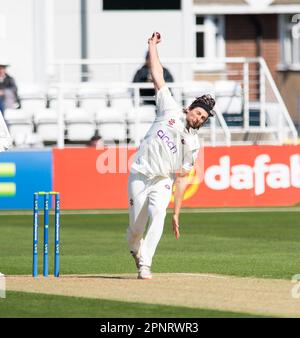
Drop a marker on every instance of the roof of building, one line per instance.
(286, 2)
(247, 6)
(220, 2)
(243, 2)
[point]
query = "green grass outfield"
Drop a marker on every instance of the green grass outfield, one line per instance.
(264, 244)
(28, 305)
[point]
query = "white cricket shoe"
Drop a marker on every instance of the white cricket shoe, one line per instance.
(144, 272)
(136, 258)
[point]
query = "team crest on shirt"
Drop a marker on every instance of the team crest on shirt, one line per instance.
(131, 202)
(182, 141)
(167, 187)
(171, 122)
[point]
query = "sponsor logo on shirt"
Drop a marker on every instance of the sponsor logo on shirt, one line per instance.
(166, 139)
(171, 122)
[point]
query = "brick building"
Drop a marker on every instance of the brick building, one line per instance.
(270, 29)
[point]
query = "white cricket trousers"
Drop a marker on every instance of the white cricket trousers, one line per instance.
(148, 201)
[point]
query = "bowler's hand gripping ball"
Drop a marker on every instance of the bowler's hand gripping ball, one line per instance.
(157, 35)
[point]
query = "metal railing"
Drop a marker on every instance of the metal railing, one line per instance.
(262, 109)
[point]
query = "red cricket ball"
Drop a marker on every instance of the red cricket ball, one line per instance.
(157, 34)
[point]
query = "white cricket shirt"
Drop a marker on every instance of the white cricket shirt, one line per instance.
(168, 145)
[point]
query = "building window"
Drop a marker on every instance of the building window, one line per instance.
(290, 40)
(141, 4)
(209, 31)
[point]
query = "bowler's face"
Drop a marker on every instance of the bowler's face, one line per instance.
(196, 117)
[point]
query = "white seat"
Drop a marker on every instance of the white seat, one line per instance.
(46, 115)
(46, 121)
(20, 125)
(228, 96)
(120, 97)
(198, 88)
(29, 90)
(66, 103)
(78, 115)
(111, 124)
(80, 132)
(138, 130)
(121, 102)
(111, 132)
(194, 89)
(106, 115)
(27, 140)
(21, 133)
(145, 113)
(90, 89)
(140, 121)
(274, 114)
(33, 104)
(33, 97)
(18, 116)
(80, 125)
(228, 88)
(92, 105)
(230, 105)
(91, 98)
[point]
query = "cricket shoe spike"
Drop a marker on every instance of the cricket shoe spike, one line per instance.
(144, 272)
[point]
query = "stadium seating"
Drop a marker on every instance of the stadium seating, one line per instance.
(111, 112)
(20, 125)
(139, 121)
(120, 98)
(33, 104)
(68, 103)
(80, 125)
(46, 121)
(194, 89)
(91, 99)
(229, 102)
(229, 97)
(111, 125)
(92, 105)
(32, 98)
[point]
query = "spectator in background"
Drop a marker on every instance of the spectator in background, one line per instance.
(144, 75)
(9, 97)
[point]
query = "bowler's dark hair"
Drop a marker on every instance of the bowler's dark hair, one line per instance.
(206, 102)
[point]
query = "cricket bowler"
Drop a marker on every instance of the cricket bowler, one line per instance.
(165, 157)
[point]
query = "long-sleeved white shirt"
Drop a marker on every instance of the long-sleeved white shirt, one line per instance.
(169, 145)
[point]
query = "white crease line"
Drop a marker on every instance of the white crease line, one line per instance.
(202, 275)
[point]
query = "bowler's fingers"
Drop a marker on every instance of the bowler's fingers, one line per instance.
(176, 230)
(155, 38)
(177, 233)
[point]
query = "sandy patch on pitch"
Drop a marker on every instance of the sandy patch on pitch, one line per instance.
(249, 295)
